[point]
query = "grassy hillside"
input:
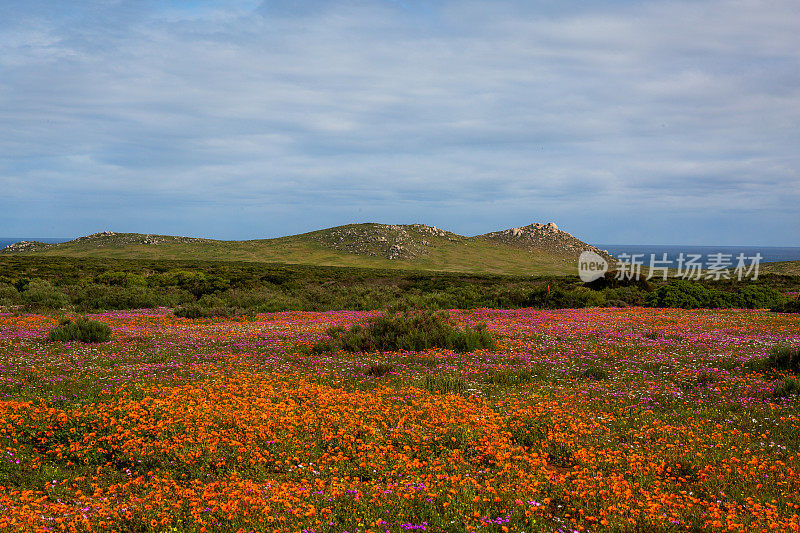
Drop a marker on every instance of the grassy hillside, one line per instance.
(790, 268)
(414, 247)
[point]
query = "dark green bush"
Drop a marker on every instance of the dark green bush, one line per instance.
(93, 296)
(689, 295)
(543, 297)
(124, 279)
(596, 373)
(780, 359)
(630, 296)
(681, 293)
(83, 330)
(409, 332)
(443, 384)
(9, 295)
(39, 294)
(759, 297)
(786, 388)
(199, 311)
(613, 280)
(790, 306)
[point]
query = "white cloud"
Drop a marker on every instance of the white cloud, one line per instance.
(676, 105)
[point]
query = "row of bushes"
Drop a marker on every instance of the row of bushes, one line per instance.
(199, 289)
(687, 295)
(40, 295)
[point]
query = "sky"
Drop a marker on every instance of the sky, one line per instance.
(623, 122)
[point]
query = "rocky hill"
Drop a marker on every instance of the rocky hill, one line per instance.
(533, 249)
(390, 241)
(102, 240)
(544, 237)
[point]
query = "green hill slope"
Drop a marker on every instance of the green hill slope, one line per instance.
(529, 250)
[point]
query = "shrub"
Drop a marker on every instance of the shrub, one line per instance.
(443, 384)
(630, 295)
(688, 295)
(198, 311)
(125, 279)
(681, 293)
(83, 330)
(8, 295)
(379, 370)
(596, 373)
(91, 296)
(760, 297)
(613, 280)
(789, 306)
(780, 359)
(413, 332)
(39, 294)
(557, 298)
(785, 358)
(786, 388)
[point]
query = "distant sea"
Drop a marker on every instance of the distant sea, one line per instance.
(768, 253)
(5, 241)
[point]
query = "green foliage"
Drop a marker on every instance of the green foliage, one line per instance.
(90, 284)
(688, 295)
(9, 295)
(790, 306)
(545, 297)
(613, 280)
(630, 296)
(787, 388)
(780, 359)
(83, 330)
(412, 332)
(40, 294)
(443, 384)
(596, 373)
(759, 297)
(124, 279)
(94, 296)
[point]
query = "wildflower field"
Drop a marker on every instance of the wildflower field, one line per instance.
(632, 419)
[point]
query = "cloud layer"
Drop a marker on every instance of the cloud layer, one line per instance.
(660, 122)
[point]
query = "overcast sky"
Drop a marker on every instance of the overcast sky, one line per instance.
(623, 122)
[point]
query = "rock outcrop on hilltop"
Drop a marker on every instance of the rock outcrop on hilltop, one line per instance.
(100, 240)
(545, 237)
(25, 246)
(390, 241)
